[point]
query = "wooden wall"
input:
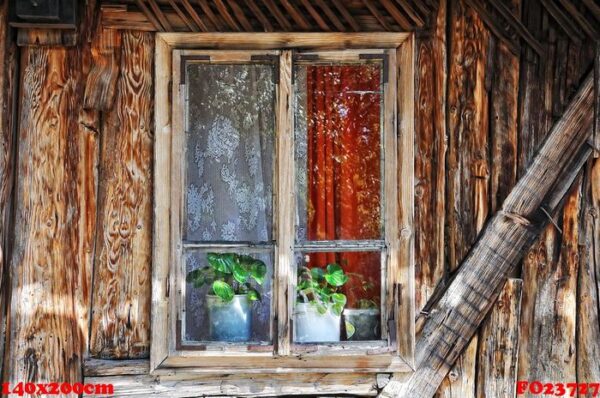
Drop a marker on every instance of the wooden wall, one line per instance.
(81, 224)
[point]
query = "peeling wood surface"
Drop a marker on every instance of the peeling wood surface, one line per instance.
(499, 344)
(122, 271)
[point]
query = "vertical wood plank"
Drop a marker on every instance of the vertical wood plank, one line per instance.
(499, 344)
(285, 274)
(588, 324)
(55, 215)
(468, 161)
(8, 149)
(403, 261)
(121, 298)
(161, 216)
(430, 159)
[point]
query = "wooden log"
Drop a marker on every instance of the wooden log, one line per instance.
(430, 159)
(499, 344)
(8, 149)
(588, 328)
(454, 318)
(102, 80)
(121, 296)
(302, 384)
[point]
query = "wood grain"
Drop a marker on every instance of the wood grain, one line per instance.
(121, 297)
(55, 219)
(499, 344)
(467, 204)
(455, 317)
(102, 80)
(8, 150)
(430, 159)
(588, 327)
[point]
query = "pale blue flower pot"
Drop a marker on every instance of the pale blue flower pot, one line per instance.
(230, 322)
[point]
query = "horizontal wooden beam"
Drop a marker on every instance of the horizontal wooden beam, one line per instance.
(280, 40)
(455, 314)
(110, 367)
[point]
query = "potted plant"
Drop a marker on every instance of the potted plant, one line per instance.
(234, 281)
(364, 321)
(319, 304)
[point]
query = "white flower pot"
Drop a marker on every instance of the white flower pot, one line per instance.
(230, 321)
(312, 327)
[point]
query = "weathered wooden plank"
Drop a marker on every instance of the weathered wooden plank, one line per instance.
(596, 137)
(454, 318)
(499, 344)
(430, 159)
(303, 384)
(468, 163)
(8, 148)
(102, 79)
(504, 93)
(120, 367)
(588, 327)
(121, 294)
(46, 37)
(400, 19)
(55, 219)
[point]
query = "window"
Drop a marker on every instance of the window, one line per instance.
(282, 222)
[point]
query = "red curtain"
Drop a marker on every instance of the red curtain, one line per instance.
(344, 167)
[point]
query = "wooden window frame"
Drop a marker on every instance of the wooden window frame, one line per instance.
(398, 183)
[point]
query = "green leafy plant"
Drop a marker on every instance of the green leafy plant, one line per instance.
(321, 288)
(230, 274)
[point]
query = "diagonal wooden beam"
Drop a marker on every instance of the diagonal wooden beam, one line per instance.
(346, 14)
(518, 26)
(593, 7)
(160, 15)
(211, 15)
(378, 16)
(226, 15)
(410, 11)
(577, 16)
(189, 23)
(194, 15)
(315, 15)
(262, 18)
(296, 15)
(563, 21)
(331, 16)
(276, 12)
(146, 11)
(456, 313)
(240, 16)
(397, 15)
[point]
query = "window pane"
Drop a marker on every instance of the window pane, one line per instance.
(325, 281)
(229, 152)
(210, 318)
(338, 111)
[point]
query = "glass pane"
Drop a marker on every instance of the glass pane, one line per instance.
(242, 311)
(338, 297)
(229, 152)
(338, 111)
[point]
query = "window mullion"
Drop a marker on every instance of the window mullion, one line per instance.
(285, 271)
